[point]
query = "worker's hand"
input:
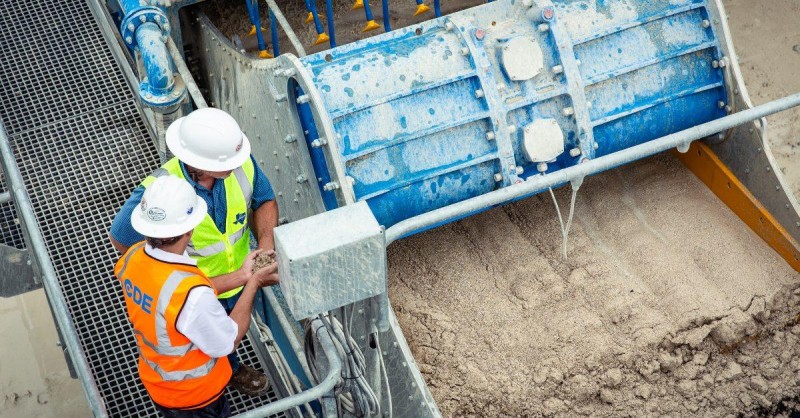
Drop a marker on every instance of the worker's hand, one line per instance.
(247, 267)
(267, 276)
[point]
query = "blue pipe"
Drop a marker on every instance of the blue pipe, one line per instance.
(249, 5)
(156, 59)
(371, 25)
(273, 28)
(308, 7)
(145, 28)
(368, 11)
(317, 22)
(329, 13)
(129, 6)
(311, 5)
(386, 24)
(255, 20)
(437, 8)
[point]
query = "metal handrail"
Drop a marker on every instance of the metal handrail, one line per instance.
(538, 183)
(34, 241)
(186, 75)
(316, 392)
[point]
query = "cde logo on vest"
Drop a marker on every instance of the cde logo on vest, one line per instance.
(140, 298)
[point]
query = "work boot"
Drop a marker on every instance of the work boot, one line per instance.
(249, 381)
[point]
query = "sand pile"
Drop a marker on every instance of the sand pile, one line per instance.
(263, 260)
(667, 304)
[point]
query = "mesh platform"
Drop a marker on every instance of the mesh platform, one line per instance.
(82, 146)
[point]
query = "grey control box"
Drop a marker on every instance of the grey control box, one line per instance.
(330, 260)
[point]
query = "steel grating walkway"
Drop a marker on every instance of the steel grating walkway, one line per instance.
(81, 144)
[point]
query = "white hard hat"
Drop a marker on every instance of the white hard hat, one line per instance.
(169, 208)
(208, 139)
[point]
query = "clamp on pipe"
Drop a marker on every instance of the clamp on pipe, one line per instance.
(147, 28)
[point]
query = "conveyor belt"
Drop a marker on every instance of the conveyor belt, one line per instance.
(81, 144)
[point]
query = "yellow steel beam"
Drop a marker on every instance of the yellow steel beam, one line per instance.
(716, 175)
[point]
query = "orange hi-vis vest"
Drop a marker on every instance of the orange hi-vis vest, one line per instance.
(174, 371)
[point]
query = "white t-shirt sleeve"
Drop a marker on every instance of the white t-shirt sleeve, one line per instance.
(204, 321)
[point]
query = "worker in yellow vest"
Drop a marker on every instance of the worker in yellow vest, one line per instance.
(213, 155)
(182, 331)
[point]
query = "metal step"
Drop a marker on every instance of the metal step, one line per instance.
(82, 145)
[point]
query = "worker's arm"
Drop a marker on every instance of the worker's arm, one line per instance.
(122, 248)
(244, 306)
(122, 234)
(265, 219)
(238, 278)
(265, 209)
(204, 321)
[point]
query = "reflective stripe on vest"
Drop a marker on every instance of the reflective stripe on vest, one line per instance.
(244, 183)
(160, 172)
(217, 248)
(164, 297)
(127, 258)
(177, 376)
(219, 253)
(177, 351)
(164, 346)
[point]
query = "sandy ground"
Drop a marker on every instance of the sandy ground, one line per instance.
(657, 311)
(501, 325)
(34, 381)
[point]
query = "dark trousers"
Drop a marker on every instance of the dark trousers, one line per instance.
(258, 305)
(220, 408)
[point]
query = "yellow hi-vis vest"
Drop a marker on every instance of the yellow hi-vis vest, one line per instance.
(220, 253)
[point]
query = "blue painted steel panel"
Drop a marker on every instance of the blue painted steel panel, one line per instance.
(429, 115)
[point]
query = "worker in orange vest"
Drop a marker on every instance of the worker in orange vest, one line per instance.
(183, 333)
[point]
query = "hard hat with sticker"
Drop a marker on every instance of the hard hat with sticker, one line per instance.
(169, 208)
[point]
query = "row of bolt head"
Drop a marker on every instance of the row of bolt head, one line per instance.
(514, 169)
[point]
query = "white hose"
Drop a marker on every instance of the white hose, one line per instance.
(576, 184)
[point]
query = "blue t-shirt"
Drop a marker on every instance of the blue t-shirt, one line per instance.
(123, 232)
